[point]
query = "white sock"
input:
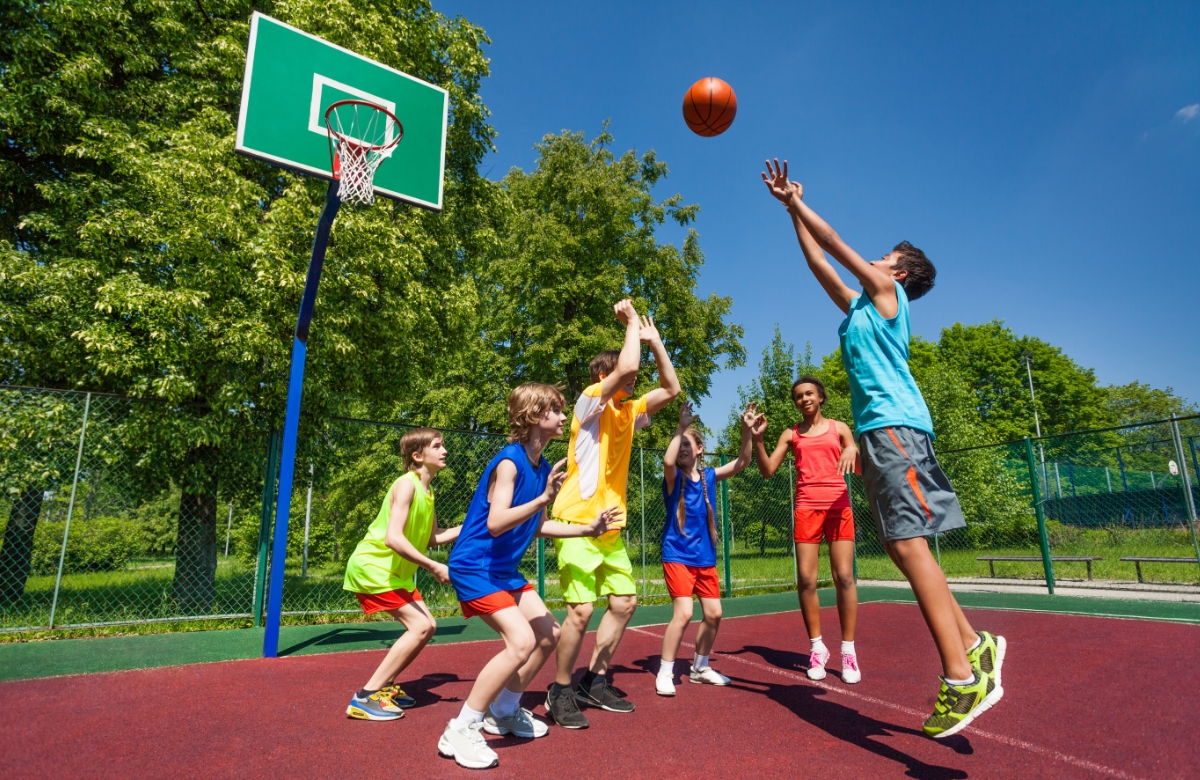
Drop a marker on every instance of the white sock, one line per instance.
(978, 642)
(818, 646)
(847, 647)
(967, 681)
(700, 661)
(666, 668)
(507, 703)
(466, 717)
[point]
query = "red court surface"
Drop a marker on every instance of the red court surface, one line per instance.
(1085, 697)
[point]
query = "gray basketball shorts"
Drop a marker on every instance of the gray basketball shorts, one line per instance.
(906, 488)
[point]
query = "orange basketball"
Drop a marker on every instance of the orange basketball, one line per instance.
(709, 107)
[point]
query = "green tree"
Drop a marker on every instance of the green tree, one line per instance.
(1137, 403)
(141, 255)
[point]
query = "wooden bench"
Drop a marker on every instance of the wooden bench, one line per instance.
(1139, 560)
(991, 559)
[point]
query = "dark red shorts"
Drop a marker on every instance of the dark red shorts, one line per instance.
(683, 581)
(387, 601)
(836, 524)
(492, 602)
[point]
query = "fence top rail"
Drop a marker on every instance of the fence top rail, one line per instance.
(81, 393)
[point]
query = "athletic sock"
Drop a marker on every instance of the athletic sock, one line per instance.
(958, 683)
(666, 668)
(589, 677)
(364, 693)
(466, 716)
(507, 703)
(978, 642)
(700, 661)
(818, 646)
(847, 647)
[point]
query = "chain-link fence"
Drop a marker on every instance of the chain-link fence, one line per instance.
(107, 518)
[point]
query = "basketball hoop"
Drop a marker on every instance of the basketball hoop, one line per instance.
(361, 136)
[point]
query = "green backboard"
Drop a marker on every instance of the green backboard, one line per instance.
(292, 77)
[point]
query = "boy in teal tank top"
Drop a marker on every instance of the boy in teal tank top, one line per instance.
(909, 495)
(382, 571)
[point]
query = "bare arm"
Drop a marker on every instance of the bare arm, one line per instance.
(848, 461)
(769, 464)
(830, 280)
(552, 529)
(503, 516)
(631, 353)
(745, 452)
(399, 502)
(672, 453)
(439, 535)
(668, 383)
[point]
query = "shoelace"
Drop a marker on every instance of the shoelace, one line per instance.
(850, 662)
(817, 658)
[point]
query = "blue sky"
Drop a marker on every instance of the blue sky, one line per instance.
(1046, 158)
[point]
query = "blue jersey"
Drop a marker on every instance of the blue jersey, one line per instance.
(482, 564)
(694, 547)
(875, 353)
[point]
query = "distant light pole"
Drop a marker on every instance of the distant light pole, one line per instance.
(1027, 359)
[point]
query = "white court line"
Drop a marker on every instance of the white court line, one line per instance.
(1082, 763)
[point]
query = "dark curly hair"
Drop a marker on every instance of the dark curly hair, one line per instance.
(921, 272)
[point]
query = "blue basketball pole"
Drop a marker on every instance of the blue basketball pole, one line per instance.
(291, 423)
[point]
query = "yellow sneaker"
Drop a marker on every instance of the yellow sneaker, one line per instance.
(958, 705)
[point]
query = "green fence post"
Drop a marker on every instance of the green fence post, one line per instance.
(264, 523)
(1189, 504)
(725, 532)
(1047, 564)
(541, 568)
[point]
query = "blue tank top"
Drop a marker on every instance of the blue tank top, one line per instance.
(695, 546)
(875, 353)
(482, 564)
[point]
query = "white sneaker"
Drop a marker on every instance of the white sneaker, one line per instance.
(467, 747)
(850, 670)
(708, 676)
(816, 664)
(664, 685)
(520, 724)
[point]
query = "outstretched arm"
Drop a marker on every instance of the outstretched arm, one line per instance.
(668, 383)
(826, 274)
(746, 451)
(769, 464)
(672, 454)
(552, 529)
(631, 353)
(879, 286)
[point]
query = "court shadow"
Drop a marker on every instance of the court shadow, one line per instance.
(423, 689)
(383, 636)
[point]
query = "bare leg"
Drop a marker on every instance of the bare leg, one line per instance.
(969, 637)
(419, 628)
(611, 629)
(519, 641)
(570, 640)
(810, 604)
(706, 635)
(928, 582)
(545, 633)
(679, 623)
(841, 563)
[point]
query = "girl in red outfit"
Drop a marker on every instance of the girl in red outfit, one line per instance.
(824, 452)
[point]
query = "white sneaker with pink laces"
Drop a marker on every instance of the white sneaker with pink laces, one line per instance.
(850, 670)
(816, 664)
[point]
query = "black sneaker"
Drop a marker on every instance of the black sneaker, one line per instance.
(562, 709)
(603, 695)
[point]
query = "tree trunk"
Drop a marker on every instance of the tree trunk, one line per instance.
(196, 541)
(16, 551)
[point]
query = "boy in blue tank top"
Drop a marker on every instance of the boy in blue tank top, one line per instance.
(506, 513)
(910, 497)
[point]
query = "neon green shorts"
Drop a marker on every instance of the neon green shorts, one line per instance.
(591, 568)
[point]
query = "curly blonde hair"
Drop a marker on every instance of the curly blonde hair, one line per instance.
(527, 403)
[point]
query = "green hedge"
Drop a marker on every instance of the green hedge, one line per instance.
(96, 544)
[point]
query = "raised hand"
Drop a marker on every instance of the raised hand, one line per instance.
(625, 311)
(555, 481)
(686, 418)
(759, 426)
(649, 331)
(797, 189)
(602, 521)
(777, 182)
(750, 415)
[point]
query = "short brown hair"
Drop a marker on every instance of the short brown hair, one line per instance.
(810, 380)
(921, 272)
(604, 363)
(416, 441)
(526, 405)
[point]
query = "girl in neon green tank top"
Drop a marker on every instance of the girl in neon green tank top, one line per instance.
(382, 571)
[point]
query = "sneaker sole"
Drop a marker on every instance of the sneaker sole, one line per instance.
(500, 731)
(667, 694)
(706, 682)
(851, 682)
(984, 706)
(998, 663)
(821, 676)
(354, 713)
(448, 752)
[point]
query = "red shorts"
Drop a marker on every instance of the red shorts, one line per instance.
(387, 601)
(683, 581)
(492, 602)
(836, 524)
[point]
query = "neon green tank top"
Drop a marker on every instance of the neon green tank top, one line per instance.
(373, 566)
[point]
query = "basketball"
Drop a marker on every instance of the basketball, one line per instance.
(709, 107)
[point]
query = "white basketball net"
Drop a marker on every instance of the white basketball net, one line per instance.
(361, 136)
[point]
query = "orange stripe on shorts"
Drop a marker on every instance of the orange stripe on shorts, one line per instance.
(912, 480)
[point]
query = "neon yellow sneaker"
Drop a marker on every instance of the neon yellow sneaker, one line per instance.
(398, 699)
(988, 655)
(958, 705)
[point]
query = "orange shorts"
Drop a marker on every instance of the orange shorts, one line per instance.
(492, 602)
(683, 581)
(387, 601)
(836, 524)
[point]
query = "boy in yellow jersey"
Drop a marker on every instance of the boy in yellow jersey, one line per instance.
(382, 570)
(597, 469)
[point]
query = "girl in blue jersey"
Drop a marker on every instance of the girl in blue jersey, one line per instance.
(505, 515)
(689, 544)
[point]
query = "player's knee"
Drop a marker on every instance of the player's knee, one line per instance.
(426, 629)
(683, 611)
(521, 646)
(712, 613)
(622, 606)
(808, 581)
(579, 615)
(843, 577)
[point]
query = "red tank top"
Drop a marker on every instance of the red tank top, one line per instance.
(818, 483)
